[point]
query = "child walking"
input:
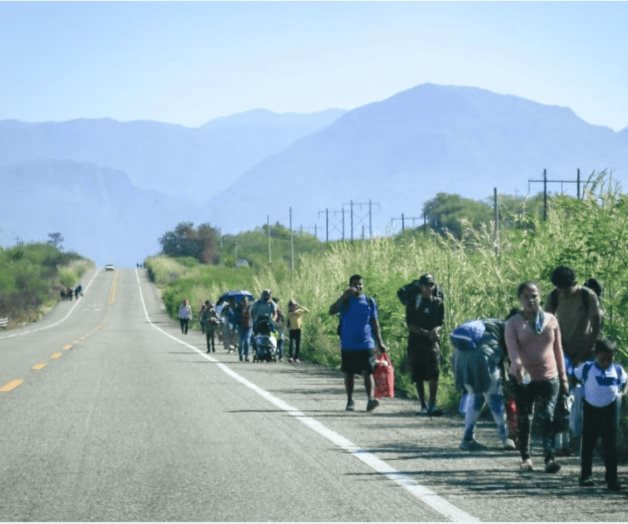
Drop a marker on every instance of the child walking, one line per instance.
(295, 323)
(603, 381)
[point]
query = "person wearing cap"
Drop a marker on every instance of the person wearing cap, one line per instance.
(425, 314)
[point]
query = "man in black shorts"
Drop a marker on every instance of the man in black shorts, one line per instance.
(424, 317)
(359, 331)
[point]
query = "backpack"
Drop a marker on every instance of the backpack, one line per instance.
(467, 335)
(593, 284)
(587, 368)
(406, 294)
(371, 304)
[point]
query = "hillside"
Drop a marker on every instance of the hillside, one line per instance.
(172, 159)
(403, 150)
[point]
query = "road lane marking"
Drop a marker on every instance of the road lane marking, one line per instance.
(58, 321)
(114, 288)
(10, 386)
(56, 356)
(39, 366)
(420, 492)
(67, 347)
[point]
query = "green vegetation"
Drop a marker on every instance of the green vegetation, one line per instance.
(31, 277)
(478, 273)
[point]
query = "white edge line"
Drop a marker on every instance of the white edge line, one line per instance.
(424, 494)
(37, 330)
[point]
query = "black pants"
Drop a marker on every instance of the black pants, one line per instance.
(184, 325)
(295, 337)
(211, 342)
(544, 393)
(599, 422)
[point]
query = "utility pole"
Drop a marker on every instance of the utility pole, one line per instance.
(403, 221)
(361, 219)
(496, 218)
(270, 258)
(546, 181)
(291, 244)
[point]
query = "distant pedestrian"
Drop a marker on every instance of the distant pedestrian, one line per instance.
(264, 307)
(185, 315)
(604, 381)
(280, 329)
(425, 315)
(68, 293)
(201, 318)
(212, 321)
(537, 371)
(244, 323)
(359, 335)
(78, 291)
(295, 324)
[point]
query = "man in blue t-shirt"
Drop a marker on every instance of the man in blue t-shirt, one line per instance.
(359, 334)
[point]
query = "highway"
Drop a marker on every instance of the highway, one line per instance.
(109, 413)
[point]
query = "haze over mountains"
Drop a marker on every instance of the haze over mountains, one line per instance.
(125, 184)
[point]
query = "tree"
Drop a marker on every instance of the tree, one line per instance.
(186, 241)
(56, 240)
(446, 212)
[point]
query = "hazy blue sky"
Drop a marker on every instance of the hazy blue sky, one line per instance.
(190, 62)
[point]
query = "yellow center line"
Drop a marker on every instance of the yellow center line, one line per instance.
(114, 288)
(55, 356)
(10, 386)
(67, 346)
(37, 367)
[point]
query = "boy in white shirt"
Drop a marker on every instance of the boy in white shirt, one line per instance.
(604, 382)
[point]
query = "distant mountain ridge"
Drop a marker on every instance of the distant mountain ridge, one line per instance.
(194, 163)
(401, 151)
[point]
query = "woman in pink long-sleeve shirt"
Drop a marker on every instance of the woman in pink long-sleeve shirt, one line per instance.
(537, 370)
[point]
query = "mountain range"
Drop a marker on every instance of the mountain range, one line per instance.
(112, 188)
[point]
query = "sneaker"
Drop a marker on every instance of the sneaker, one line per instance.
(372, 404)
(613, 486)
(241, 358)
(422, 412)
(296, 361)
(291, 360)
(586, 482)
(350, 406)
(247, 359)
(526, 465)
(508, 444)
(433, 411)
(551, 466)
(471, 445)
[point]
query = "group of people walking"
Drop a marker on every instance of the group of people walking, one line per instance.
(238, 320)
(545, 356)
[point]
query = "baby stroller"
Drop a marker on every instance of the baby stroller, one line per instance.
(264, 340)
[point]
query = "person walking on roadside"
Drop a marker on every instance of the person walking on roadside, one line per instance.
(185, 315)
(264, 307)
(229, 328)
(537, 371)
(201, 318)
(295, 323)
(359, 334)
(425, 314)
(478, 363)
(243, 321)
(604, 381)
(211, 321)
(280, 328)
(577, 309)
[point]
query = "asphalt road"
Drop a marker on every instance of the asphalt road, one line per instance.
(109, 413)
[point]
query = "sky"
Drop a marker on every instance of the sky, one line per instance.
(188, 63)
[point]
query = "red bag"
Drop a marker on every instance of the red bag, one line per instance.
(384, 376)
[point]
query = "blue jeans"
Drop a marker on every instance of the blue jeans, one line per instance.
(245, 340)
(495, 400)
